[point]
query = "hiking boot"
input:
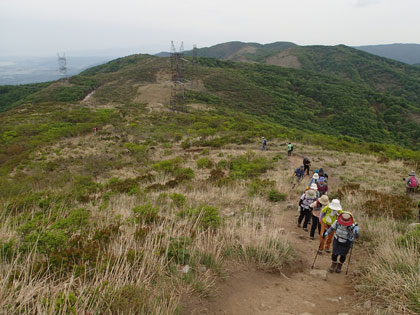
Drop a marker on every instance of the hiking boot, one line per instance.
(305, 229)
(338, 269)
(312, 238)
(332, 267)
(298, 225)
(328, 251)
(319, 251)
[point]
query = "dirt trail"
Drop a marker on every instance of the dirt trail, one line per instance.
(249, 291)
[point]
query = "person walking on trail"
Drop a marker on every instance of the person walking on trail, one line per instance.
(307, 198)
(411, 182)
(322, 173)
(299, 173)
(306, 165)
(327, 218)
(345, 231)
(264, 144)
(289, 149)
(316, 211)
(314, 179)
(322, 186)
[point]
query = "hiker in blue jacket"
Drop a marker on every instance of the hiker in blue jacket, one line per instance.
(299, 173)
(264, 144)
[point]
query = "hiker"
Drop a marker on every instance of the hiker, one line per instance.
(314, 180)
(345, 231)
(321, 172)
(316, 211)
(306, 165)
(299, 173)
(307, 198)
(411, 183)
(322, 186)
(263, 144)
(327, 218)
(289, 149)
(418, 214)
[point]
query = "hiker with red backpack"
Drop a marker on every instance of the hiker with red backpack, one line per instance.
(345, 232)
(411, 183)
(322, 186)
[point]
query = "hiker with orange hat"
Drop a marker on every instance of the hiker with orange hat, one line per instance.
(345, 231)
(316, 212)
(327, 218)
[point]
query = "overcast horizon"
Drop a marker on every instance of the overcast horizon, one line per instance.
(45, 27)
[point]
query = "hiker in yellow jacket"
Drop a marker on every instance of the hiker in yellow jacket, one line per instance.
(327, 218)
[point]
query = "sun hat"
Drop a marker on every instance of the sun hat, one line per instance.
(314, 186)
(310, 193)
(345, 218)
(316, 176)
(412, 173)
(335, 205)
(324, 200)
(321, 178)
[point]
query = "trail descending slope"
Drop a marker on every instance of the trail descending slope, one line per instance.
(248, 291)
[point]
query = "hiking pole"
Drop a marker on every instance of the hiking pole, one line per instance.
(317, 252)
(351, 250)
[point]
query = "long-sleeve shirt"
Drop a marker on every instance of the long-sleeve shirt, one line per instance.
(299, 172)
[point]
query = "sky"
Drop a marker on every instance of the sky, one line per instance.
(123, 27)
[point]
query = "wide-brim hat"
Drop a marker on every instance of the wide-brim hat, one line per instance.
(412, 173)
(310, 193)
(345, 218)
(316, 176)
(335, 205)
(314, 186)
(324, 200)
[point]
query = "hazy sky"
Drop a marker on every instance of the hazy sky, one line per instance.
(43, 27)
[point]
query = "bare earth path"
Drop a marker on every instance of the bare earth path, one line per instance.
(249, 291)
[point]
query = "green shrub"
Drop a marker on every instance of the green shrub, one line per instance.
(178, 250)
(146, 213)
(167, 166)
(183, 174)
(399, 207)
(123, 186)
(275, 196)
(178, 199)
(137, 150)
(204, 162)
(260, 187)
(246, 167)
(208, 217)
(410, 239)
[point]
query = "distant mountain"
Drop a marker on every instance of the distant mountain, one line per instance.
(408, 53)
(26, 70)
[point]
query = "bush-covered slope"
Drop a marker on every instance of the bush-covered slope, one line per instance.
(408, 53)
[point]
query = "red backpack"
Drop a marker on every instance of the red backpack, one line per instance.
(413, 182)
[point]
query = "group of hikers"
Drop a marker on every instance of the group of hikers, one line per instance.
(327, 218)
(334, 225)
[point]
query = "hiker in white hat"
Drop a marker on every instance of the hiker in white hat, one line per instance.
(345, 231)
(307, 198)
(327, 218)
(314, 179)
(316, 211)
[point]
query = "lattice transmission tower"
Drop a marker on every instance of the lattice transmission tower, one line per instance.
(62, 64)
(177, 100)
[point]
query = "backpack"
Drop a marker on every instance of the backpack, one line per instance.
(264, 142)
(413, 182)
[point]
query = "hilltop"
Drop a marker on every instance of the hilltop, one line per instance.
(408, 53)
(373, 101)
(163, 212)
